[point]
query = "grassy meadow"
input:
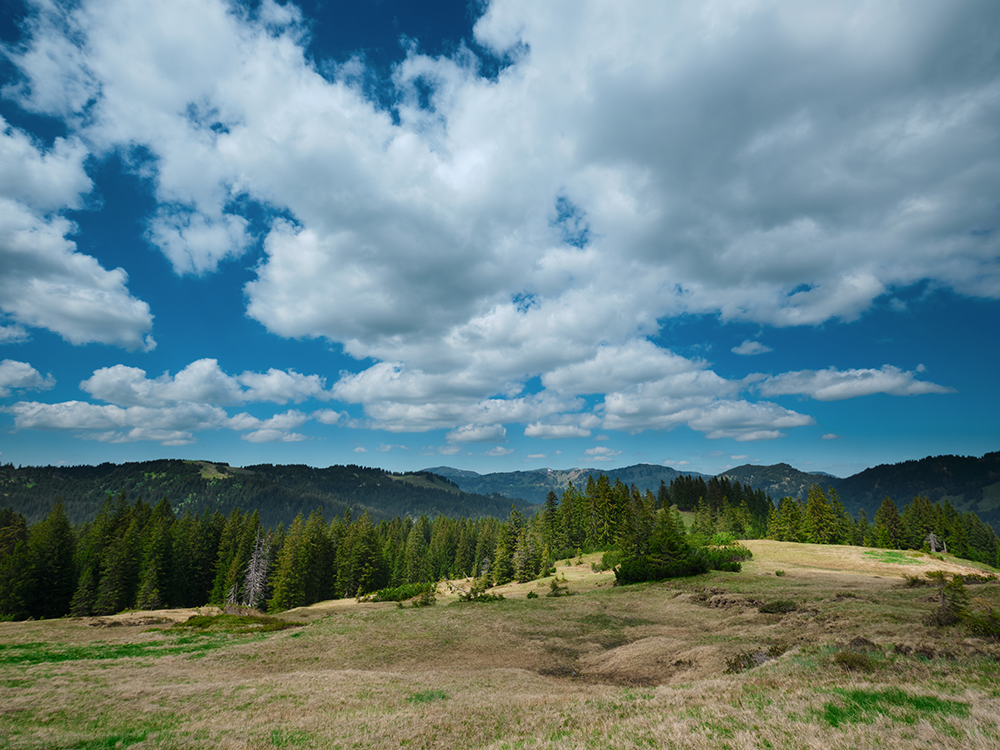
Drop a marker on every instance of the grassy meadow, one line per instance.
(808, 647)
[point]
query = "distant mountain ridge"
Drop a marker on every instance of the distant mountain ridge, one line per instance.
(533, 486)
(277, 492)
(967, 482)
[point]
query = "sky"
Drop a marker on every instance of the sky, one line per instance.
(499, 235)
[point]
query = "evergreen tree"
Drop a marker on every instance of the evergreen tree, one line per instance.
(888, 527)
(14, 566)
(416, 556)
(290, 576)
(820, 521)
(51, 573)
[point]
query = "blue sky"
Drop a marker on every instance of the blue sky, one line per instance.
(499, 235)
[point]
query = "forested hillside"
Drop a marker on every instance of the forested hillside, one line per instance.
(533, 486)
(967, 482)
(277, 493)
(146, 556)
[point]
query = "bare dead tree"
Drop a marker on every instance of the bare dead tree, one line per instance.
(255, 580)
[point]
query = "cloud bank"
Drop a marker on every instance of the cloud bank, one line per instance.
(762, 162)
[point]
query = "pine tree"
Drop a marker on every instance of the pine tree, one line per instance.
(52, 573)
(888, 527)
(820, 521)
(14, 566)
(290, 576)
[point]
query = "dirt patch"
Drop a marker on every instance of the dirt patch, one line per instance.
(652, 661)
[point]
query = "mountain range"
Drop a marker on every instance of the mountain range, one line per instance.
(968, 483)
(280, 492)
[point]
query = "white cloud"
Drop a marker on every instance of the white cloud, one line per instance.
(202, 381)
(329, 416)
(45, 282)
(360, 449)
(601, 453)
(14, 334)
(555, 431)
(499, 451)
(744, 421)
(478, 433)
(749, 347)
(535, 456)
(22, 376)
(836, 385)
(273, 436)
(831, 436)
(539, 225)
(112, 423)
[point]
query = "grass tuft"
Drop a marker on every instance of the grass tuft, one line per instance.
(428, 696)
(863, 706)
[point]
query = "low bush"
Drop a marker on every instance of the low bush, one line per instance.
(853, 661)
(728, 558)
(401, 593)
(750, 659)
(608, 560)
(649, 568)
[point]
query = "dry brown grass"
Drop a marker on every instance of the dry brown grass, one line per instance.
(641, 666)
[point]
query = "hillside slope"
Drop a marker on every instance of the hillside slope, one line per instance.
(278, 493)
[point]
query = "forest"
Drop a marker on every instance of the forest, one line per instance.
(278, 493)
(134, 555)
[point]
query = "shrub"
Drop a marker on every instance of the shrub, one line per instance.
(648, 568)
(401, 593)
(557, 590)
(985, 623)
(779, 573)
(750, 659)
(608, 560)
(532, 595)
(729, 559)
(852, 661)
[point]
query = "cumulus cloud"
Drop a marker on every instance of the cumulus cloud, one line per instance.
(110, 423)
(499, 451)
(744, 421)
(539, 225)
(478, 433)
(836, 385)
(202, 381)
(45, 282)
(831, 436)
(601, 453)
(22, 376)
(749, 347)
(555, 431)
(14, 334)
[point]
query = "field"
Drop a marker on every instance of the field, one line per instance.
(844, 661)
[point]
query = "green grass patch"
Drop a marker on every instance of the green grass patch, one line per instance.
(427, 696)
(285, 738)
(39, 653)
(863, 706)
(895, 556)
(236, 623)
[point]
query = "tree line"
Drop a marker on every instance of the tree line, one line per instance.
(135, 555)
(821, 519)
